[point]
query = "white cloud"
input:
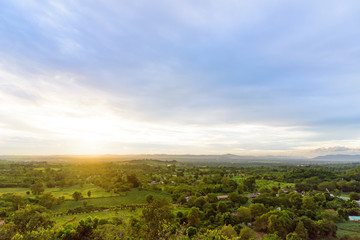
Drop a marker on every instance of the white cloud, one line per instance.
(59, 111)
(179, 76)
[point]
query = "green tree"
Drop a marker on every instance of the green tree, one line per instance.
(310, 225)
(327, 227)
(261, 223)
(228, 231)
(191, 231)
(77, 195)
(247, 233)
(31, 219)
(309, 203)
(241, 188)
(108, 232)
(222, 207)
(326, 186)
(149, 198)
(280, 222)
(156, 216)
(133, 180)
(211, 198)
(243, 215)
(257, 209)
(227, 218)
(234, 197)
(89, 193)
(37, 188)
(293, 236)
(296, 200)
(354, 196)
(194, 217)
(199, 202)
(271, 236)
(301, 231)
(85, 230)
(250, 184)
(47, 200)
(41, 234)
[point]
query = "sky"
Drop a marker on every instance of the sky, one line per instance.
(180, 77)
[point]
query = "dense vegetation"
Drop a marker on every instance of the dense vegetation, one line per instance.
(169, 200)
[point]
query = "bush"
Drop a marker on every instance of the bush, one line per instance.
(191, 231)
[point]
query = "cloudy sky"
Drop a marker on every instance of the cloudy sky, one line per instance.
(242, 77)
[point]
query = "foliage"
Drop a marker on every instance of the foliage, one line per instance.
(77, 196)
(247, 234)
(301, 231)
(37, 188)
(156, 215)
(26, 220)
(126, 198)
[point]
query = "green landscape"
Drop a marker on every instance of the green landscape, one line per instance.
(179, 120)
(152, 199)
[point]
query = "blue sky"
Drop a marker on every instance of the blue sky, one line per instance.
(242, 77)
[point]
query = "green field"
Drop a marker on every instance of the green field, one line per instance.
(99, 197)
(66, 192)
(270, 184)
(18, 191)
(43, 169)
(349, 228)
(132, 197)
(123, 214)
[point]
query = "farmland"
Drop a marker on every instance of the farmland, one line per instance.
(348, 228)
(164, 198)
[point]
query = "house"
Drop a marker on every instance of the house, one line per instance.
(254, 195)
(344, 198)
(222, 197)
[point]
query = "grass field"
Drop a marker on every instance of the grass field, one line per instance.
(18, 191)
(271, 183)
(99, 197)
(66, 192)
(132, 197)
(348, 227)
(43, 169)
(123, 214)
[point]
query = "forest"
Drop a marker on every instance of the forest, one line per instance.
(153, 199)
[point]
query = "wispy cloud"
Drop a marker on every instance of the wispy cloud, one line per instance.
(228, 76)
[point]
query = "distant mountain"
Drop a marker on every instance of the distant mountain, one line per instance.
(338, 157)
(186, 158)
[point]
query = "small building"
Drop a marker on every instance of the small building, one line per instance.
(222, 197)
(254, 195)
(354, 218)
